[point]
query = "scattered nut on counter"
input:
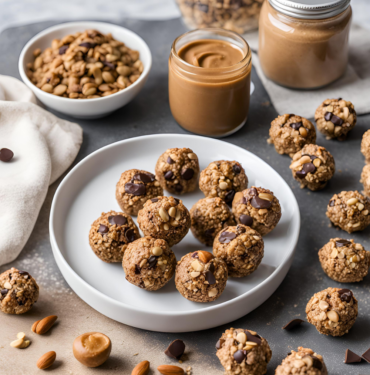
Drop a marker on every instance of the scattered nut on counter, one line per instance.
(141, 369)
(46, 360)
(42, 326)
(20, 343)
(170, 370)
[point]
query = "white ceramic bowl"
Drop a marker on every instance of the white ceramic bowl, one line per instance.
(89, 189)
(87, 108)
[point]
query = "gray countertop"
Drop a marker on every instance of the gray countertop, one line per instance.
(149, 113)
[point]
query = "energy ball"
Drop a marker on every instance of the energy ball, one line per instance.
(200, 277)
(332, 311)
(110, 234)
(242, 249)
(149, 263)
(365, 179)
(289, 133)
(335, 118)
(243, 352)
(165, 218)
(365, 146)
(257, 208)
(208, 217)
(177, 170)
(303, 362)
(134, 188)
(349, 210)
(313, 167)
(344, 260)
(18, 291)
(223, 179)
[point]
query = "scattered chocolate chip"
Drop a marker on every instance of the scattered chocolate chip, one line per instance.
(87, 45)
(236, 168)
(3, 291)
(246, 220)
(332, 203)
(257, 202)
(342, 242)
(109, 65)
(176, 349)
(253, 338)
(195, 255)
(345, 295)
(117, 220)
(187, 174)
(6, 155)
(144, 177)
(306, 168)
(327, 116)
(366, 356)
(63, 49)
(130, 235)
(336, 120)
(229, 196)
(240, 355)
(154, 200)
(351, 357)
(210, 278)
(178, 188)
(135, 189)
(293, 323)
(137, 269)
(296, 125)
(103, 229)
(240, 229)
(316, 363)
(152, 261)
(168, 175)
(219, 343)
(226, 237)
(170, 161)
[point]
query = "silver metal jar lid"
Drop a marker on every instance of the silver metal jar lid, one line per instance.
(310, 9)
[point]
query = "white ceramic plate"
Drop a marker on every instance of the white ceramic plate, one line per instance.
(89, 189)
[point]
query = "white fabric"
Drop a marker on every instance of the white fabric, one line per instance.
(44, 147)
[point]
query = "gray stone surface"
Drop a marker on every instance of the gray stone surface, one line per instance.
(149, 113)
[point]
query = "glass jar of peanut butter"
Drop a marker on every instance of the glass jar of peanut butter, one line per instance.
(303, 44)
(209, 81)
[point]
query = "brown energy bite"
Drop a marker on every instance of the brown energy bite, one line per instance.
(223, 179)
(289, 133)
(134, 188)
(242, 249)
(200, 277)
(208, 217)
(349, 210)
(149, 263)
(166, 218)
(304, 361)
(313, 167)
(243, 352)
(257, 208)
(365, 179)
(177, 170)
(344, 260)
(332, 311)
(365, 146)
(110, 234)
(335, 118)
(18, 291)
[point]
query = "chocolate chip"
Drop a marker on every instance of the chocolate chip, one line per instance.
(327, 116)
(226, 237)
(345, 295)
(312, 157)
(25, 274)
(366, 356)
(257, 202)
(154, 200)
(246, 220)
(137, 269)
(152, 261)
(210, 278)
(117, 220)
(351, 357)
(144, 177)
(3, 291)
(103, 229)
(332, 203)
(212, 267)
(316, 363)
(336, 120)
(296, 125)
(176, 349)
(135, 189)
(178, 188)
(187, 174)
(240, 355)
(109, 65)
(202, 7)
(229, 196)
(170, 161)
(342, 242)
(130, 235)
(253, 338)
(168, 175)
(6, 155)
(87, 45)
(236, 168)
(252, 192)
(63, 49)
(291, 115)
(195, 255)
(293, 323)
(240, 229)
(219, 343)
(306, 168)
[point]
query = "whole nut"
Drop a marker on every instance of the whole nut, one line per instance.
(333, 316)
(266, 197)
(45, 324)
(7, 285)
(157, 251)
(46, 360)
(163, 214)
(317, 162)
(205, 256)
(197, 266)
(303, 131)
(352, 201)
(223, 185)
(34, 325)
(213, 292)
(323, 305)
(241, 337)
(192, 156)
(17, 343)
(172, 211)
(170, 370)
(141, 369)
(21, 335)
(25, 344)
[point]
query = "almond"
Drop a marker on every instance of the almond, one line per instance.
(46, 360)
(205, 256)
(170, 370)
(34, 325)
(45, 324)
(141, 369)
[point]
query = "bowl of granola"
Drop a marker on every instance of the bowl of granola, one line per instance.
(85, 69)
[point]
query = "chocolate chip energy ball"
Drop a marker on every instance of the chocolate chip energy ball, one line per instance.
(335, 118)
(165, 218)
(344, 260)
(289, 133)
(243, 352)
(257, 208)
(200, 277)
(349, 210)
(302, 362)
(223, 179)
(313, 167)
(134, 188)
(18, 291)
(208, 217)
(177, 170)
(365, 146)
(110, 234)
(332, 311)
(149, 263)
(365, 179)
(242, 249)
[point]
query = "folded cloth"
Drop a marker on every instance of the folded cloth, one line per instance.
(353, 86)
(44, 147)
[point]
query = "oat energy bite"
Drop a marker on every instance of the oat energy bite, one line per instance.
(18, 291)
(165, 218)
(365, 146)
(349, 210)
(242, 249)
(243, 352)
(110, 234)
(223, 179)
(200, 277)
(208, 217)
(134, 188)
(177, 170)
(332, 311)
(365, 179)
(149, 263)
(344, 260)
(313, 167)
(289, 133)
(257, 208)
(303, 362)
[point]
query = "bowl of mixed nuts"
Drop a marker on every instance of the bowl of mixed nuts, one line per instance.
(85, 69)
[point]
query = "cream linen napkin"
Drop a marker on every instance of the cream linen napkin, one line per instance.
(353, 86)
(44, 147)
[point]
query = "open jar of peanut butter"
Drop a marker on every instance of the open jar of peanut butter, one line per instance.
(304, 43)
(209, 81)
